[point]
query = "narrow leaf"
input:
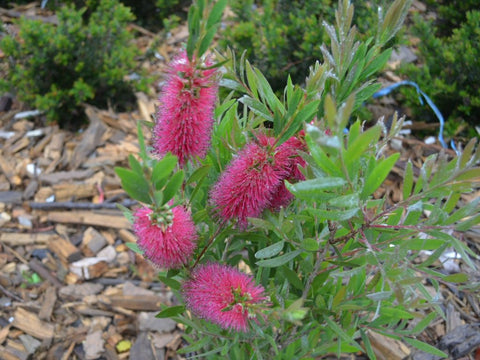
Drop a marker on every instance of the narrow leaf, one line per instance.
(426, 347)
(270, 251)
(280, 260)
(408, 180)
(134, 247)
(173, 186)
(171, 311)
(378, 175)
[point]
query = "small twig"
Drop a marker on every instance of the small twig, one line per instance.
(210, 241)
(78, 205)
(36, 266)
(10, 294)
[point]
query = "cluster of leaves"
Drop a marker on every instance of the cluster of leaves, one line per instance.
(337, 263)
(282, 37)
(56, 68)
(150, 14)
(448, 56)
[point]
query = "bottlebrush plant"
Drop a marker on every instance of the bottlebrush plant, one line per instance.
(259, 210)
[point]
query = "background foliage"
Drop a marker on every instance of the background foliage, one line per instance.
(448, 68)
(283, 37)
(57, 68)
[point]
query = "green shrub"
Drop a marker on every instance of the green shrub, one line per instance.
(149, 14)
(282, 37)
(450, 14)
(57, 68)
(449, 71)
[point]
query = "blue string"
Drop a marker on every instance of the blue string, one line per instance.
(389, 89)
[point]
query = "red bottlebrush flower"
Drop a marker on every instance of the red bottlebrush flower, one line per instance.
(288, 159)
(168, 240)
(223, 295)
(185, 115)
(248, 183)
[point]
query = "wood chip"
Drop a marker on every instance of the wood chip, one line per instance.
(31, 324)
(386, 348)
(90, 140)
(19, 239)
(89, 218)
(132, 302)
(64, 249)
(48, 304)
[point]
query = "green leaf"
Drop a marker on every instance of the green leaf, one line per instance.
(162, 170)
(470, 174)
(377, 64)
(321, 158)
(395, 313)
(135, 165)
(270, 251)
(134, 247)
(466, 155)
(378, 175)
(345, 201)
(252, 79)
(468, 223)
(126, 212)
(365, 140)
(135, 185)
(331, 113)
(173, 186)
(198, 174)
(172, 283)
(292, 277)
(232, 84)
(206, 40)
(463, 212)
(368, 346)
(456, 278)
(310, 244)
(257, 107)
(216, 13)
(337, 215)
(426, 347)
(171, 311)
(305, 189)
(341, 334)
(305, 115)
(267, 93)
(280, 260)
(408, 180)
(381, 295)
(422, 324)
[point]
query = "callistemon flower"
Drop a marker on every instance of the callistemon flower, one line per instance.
(288, 159)
(223, 295)
(247, 185)
(167, 238)
(185, 115)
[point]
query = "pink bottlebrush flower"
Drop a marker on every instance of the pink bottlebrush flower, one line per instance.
(288, 159)
(167, 239)
(248, 183)
(185, 115)
(223, 295)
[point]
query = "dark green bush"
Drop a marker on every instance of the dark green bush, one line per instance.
(148, 13)
(57, 68)
(449, 69)
(450, 14)
(283, 37)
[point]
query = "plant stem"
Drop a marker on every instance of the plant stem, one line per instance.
(210, 241)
